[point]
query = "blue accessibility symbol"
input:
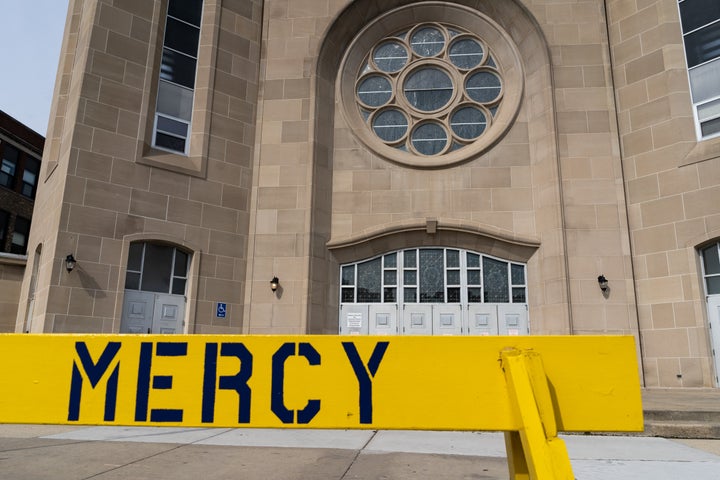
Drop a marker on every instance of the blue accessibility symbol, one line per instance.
(221, 310)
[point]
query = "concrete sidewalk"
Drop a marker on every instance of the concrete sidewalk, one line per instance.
(139, 453)
(682, 413)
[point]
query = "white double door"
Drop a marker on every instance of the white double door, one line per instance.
(713, 304)
(433, 319)
(147, 312)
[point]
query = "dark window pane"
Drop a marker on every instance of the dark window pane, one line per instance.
(703, 45)
(390, 295)
(453, 258)
(8, 166)
(713, 285)
(4, 217)
(368, 280)
(427, 41)
(410, 295)
(390, 277)
(132, 281)
(156, 271)
(710, 127)
(473, 260)
(429, 138)
(696, 13)
(475, 295)
(390, 56)
(178, 286)
(30, 174)
(20, 236)
(483, 87)
(348, 295)
(432, 285)
(187, 10)
(181, 263)
(453, 277)
(410, 277)
(468, 123)
(410, 258)
(135, 257)
(711, 260)
(473, 277)
(390, 125)
(374, 91)
(182, 37)
(173, 127)
(171, 143)
(466, 53)
(428, 89)
(517, 273)
(518, 295)
(453, 295)
(348, 275)
(495, 279)
(178, 68)
(390, 260)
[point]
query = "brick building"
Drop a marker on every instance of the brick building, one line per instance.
(434, 167)
(20, 153)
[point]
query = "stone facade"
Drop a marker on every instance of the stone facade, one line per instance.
(594, 169)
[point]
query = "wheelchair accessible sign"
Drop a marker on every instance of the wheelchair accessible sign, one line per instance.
(221, 310)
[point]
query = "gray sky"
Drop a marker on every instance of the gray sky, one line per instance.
(30, 39)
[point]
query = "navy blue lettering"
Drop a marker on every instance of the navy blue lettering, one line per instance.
(159, 382)
(277, 399)
(361, 372)
(237, 382)
(94, 372)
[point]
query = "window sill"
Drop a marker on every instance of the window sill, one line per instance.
(703, 150)
(175, 162)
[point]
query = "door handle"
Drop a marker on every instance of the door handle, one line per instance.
(148, 330)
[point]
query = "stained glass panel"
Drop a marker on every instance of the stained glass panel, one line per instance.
(368, 281)
(495, 279)
(431, 276)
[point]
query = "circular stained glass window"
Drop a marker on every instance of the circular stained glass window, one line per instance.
(390, 56)
(483, 86)
(468, 123)
(390, 125)
(374, 91)
(429, 90)
(428, 41)
(429, 138)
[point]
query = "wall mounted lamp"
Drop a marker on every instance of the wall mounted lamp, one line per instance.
(602, 281)
(274, 283)
(70, 263)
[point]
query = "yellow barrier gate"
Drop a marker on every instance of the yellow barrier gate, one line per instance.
(530, 387)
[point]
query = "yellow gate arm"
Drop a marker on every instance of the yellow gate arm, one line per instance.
(531, 386)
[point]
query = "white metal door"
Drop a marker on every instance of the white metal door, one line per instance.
(482, 319)
(168, 314)
(354, 319)
(383, 319)
(513, 319)
(417, 319)
(138, 309)
(447, 319)
(714, 319)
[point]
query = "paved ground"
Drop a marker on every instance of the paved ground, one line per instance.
(114, 453)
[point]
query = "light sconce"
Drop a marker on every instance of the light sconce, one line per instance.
(70, 263)
(274, 283)
(602, 281)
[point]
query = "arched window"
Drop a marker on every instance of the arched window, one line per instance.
(155, 283)
(433, 275)
(433, 291)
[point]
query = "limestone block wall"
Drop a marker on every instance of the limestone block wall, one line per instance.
(673, 187)
(104, 186)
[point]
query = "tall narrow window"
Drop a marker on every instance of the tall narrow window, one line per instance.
(8, 165)
(31, 169)
(176, 86)
(701, 35)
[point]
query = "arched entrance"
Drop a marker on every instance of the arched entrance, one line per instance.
(711, 277)
(433, 291)
(155, 287)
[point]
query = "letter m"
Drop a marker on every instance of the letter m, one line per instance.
(94, 372)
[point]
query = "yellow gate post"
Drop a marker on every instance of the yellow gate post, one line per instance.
(534, 451)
